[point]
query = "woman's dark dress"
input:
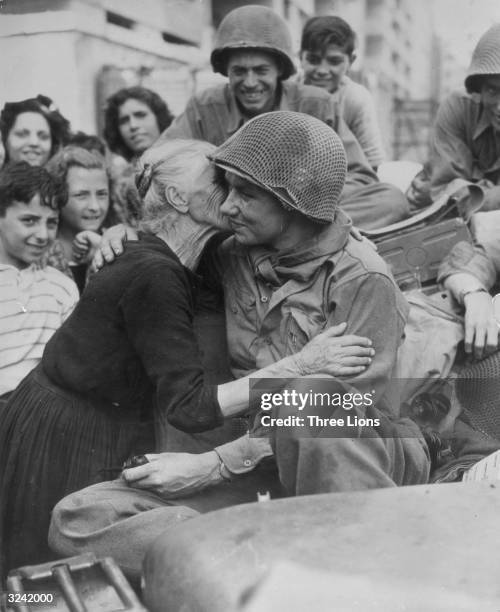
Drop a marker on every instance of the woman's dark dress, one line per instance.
(126, 359)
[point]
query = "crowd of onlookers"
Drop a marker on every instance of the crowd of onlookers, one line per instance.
(96, 177)
(88, 186)
(287, 164)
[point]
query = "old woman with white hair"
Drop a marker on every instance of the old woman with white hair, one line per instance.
(127, 359)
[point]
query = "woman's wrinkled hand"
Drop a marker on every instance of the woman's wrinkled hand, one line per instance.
(172, 475)
(481, 328)
(333, 354)
(111, 245)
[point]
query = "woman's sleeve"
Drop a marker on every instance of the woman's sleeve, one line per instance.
(158, 317)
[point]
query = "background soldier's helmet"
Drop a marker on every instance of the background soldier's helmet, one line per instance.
(485, 59)
(295, 157)
(253, 27)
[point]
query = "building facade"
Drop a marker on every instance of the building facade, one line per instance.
(79, 51)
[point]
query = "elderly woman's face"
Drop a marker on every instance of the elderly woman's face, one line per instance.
(29, 139)
(255, 216)
(138, 125)
(206, 198)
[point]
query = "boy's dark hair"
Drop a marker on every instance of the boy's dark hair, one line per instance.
(111, 127)
(20, 182)
(319, 32)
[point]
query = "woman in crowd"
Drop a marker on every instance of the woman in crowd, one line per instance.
(32, 130)
(133, 120)
(127, 359)
(85, 182)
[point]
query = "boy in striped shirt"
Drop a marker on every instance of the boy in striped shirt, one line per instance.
(34, 300)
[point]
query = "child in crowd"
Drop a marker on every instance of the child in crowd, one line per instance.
(84, 182)
(34, 300)
(326, 54)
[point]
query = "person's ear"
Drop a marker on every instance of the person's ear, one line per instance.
(176, 199)
(352, 59)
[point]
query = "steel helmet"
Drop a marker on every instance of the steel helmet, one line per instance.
(485, 59)
(295, 157)
(253, 27)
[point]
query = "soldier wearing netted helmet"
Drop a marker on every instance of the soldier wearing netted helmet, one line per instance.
(253, 49)
(467, 130)
(292, 269)
(303, 167)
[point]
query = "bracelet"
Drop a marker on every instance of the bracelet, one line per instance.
(463, 294)
(225, 474)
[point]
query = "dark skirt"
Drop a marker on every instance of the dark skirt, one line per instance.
(54, 442)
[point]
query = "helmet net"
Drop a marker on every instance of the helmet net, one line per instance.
(294, 156)
(485, 58)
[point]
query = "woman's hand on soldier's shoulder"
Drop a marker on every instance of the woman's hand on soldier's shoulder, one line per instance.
(85, 245)
(111, 246)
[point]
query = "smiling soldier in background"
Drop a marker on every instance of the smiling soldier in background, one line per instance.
(466, 139)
